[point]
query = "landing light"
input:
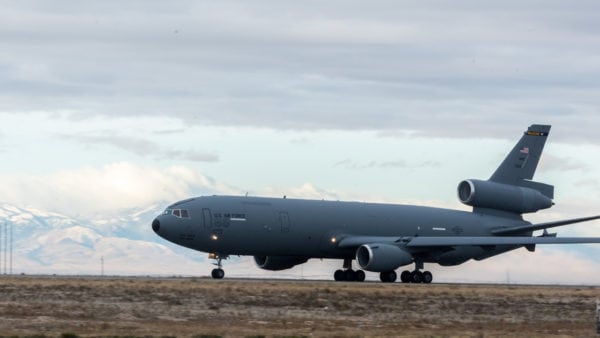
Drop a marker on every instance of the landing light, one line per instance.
(333, 240)
(214, 237)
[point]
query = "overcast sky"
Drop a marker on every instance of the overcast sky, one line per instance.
(109, 105)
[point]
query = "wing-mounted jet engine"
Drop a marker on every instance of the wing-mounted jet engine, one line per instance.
(383, 258)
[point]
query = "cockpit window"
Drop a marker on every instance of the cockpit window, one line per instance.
(179, 213)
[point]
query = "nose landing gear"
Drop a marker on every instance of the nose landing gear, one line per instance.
(217, 273)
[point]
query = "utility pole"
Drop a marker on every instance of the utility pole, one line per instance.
(102, 266)
(5, 246)
(11, 248)
(1, 247)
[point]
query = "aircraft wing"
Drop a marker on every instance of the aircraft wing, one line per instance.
(496, 240)
(356, 241)
(423, 241)
(540, 226)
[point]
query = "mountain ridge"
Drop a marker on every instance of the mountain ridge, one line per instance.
(51, 242)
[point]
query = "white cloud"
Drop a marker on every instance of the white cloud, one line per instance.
(395, 66)
(306, 190)
(141, 147)
(107, 189)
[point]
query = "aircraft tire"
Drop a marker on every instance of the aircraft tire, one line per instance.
(388, 276)
(416, 277)
(350, 275)
(427, 277)
(339, 275)
(405, 276)
(360, 276)
(218, 273)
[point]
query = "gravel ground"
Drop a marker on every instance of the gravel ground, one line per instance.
(196, 307)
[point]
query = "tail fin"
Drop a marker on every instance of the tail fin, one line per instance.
(520, 164)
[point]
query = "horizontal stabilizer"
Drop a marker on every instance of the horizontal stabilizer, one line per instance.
(540, 226)
(496, 240)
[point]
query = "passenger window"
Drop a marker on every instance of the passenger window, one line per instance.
(184, 214)
(176, 213)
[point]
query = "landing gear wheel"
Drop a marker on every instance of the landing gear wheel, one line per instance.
(339, 275)
(218, 273)
(360, 276)
(350, 275)
(416, 277)
(388, 276)
(427, 277)
(405, 276)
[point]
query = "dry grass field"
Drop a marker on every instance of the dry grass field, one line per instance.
(193, 307)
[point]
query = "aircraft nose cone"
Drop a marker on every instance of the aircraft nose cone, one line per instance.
(156, 225)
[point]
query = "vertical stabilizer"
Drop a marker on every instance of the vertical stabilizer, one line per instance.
(519, 165)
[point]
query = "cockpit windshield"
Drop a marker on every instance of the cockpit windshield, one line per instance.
(179, 213)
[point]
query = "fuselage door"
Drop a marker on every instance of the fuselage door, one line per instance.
(207, 217)
(284, 219)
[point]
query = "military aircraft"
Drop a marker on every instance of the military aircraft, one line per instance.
(283, 232)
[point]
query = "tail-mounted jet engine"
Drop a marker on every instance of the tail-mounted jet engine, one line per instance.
(382, 257)
(499, 196)
(276, 263)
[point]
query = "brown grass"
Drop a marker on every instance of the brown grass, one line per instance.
(188, 307)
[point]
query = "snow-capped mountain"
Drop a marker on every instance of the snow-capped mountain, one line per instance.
(48, 242)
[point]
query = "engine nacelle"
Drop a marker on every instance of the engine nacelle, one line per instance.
(382, 257)
(492, 195)
(276, 263)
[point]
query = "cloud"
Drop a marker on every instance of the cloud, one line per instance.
(460, 71)
(354, 165)
(107, 189)
(561, 163)
(142, 147)
(305, 191)
(589, 183)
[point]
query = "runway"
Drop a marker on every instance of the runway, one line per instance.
(186, 307)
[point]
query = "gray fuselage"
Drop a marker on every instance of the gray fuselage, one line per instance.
(231, 225)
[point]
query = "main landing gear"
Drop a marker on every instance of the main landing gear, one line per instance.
(347, 274)
(416, 276)
(408, 277)
(217, 273)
